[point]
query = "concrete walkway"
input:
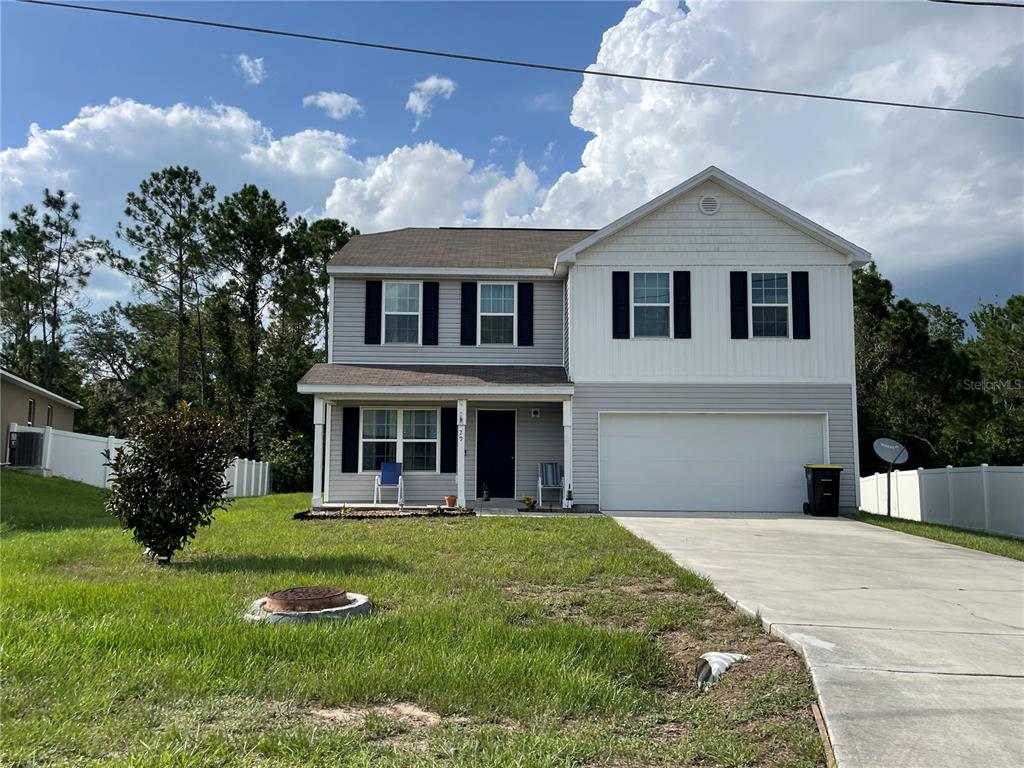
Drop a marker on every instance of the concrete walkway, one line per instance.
(916, 647)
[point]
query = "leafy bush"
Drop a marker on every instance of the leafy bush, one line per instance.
(168, 479)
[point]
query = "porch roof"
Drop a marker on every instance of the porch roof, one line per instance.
(343, 379)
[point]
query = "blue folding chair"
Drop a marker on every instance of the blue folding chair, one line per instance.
(390, 477)
(549, 475)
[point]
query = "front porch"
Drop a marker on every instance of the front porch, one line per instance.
(473, 440)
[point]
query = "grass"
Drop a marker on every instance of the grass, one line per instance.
(511, 641)
(994, 544)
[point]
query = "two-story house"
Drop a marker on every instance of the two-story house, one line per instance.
(692, 355)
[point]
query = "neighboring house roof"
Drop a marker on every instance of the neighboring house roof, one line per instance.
(857, 255)
(324, 377)
(5, 374)
(456, 248)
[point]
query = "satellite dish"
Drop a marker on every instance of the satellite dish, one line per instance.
(890, 451)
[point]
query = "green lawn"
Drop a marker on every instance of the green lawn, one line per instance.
(496, 642)
(983, 542)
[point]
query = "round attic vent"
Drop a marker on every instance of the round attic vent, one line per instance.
(708, 205)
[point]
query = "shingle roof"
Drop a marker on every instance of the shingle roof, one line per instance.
(456, 247)
(343, 375)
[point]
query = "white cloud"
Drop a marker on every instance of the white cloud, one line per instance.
(421, 97)
(546, 101)
(916, 188)
(336, 104)
(252, 69)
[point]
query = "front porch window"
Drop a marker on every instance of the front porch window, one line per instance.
(407, 436)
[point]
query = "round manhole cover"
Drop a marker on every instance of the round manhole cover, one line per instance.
(307, 599)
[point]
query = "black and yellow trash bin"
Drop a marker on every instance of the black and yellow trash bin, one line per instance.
(822, 489)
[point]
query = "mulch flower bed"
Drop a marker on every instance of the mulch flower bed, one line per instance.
(364, 513)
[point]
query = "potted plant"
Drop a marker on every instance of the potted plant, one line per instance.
(449, 501)
(529, 502)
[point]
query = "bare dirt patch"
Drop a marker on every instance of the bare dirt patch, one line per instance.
(403, 712)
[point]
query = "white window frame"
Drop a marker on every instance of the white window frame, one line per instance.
(384, 314)
(31, 421)
(480, 313)
(751, 304)
(49, 415)
(400, 439)
(633, 305)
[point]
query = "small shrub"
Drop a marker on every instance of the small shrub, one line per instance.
(529, 502)
(168, 479)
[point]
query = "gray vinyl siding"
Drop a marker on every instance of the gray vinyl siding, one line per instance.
(565, 325)
(349, 325)
(357, 487)
(590, 399)
(537, 440)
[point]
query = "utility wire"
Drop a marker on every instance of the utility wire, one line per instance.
(512, 62)
(990, 3)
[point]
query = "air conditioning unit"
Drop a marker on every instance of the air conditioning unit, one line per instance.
(25, 449)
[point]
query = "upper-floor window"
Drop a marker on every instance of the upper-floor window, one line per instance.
(402, 313)
(49, 415)
(769, 305)
(410, 437)
(497, 313)
(650, 304)
(31, 412)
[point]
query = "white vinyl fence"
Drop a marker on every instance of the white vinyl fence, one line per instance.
(978, 498)
(248, 478)
(80, 457)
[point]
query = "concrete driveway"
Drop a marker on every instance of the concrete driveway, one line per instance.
(916, 647)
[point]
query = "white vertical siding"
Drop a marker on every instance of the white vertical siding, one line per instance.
(740, 236)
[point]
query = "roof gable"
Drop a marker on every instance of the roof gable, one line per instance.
(857, 256)
(36, 389)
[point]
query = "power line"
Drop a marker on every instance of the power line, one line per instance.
(512, 62)
(990, 3)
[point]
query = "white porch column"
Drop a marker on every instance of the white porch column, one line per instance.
(460, 454)
(318, 450)
(567, 450)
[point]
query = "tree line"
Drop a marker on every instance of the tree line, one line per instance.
(229, 309)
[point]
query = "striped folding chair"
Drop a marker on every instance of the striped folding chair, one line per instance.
(549, 475)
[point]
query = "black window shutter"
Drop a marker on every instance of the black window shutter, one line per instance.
(681, 305)
(801, 307)
(738, 304)
(525, 319)
(371, 334)
(620, 305)
(469, 314)
(449, 440)
(430, 308)
(350, 439)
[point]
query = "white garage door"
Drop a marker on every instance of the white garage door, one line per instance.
(707, 462)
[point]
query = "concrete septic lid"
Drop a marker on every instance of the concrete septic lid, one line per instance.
(357, 605)
(306, 599)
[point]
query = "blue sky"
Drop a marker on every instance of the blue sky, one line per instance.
(937, 198)
(56, 61)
